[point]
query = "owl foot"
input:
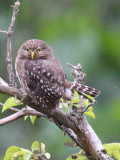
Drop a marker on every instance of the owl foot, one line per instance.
(18, 102)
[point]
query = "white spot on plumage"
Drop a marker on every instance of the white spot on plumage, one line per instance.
(38, 77)
(34, 68)
(48, 74)
(68, 93)
(27, 72)
(43, 71)
(52, 79)
(41, 81)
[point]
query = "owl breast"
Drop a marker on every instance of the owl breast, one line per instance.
(44, 82)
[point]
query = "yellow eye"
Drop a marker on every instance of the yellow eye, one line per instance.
(39, 51)
(27, 50)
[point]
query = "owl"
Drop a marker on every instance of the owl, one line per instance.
(42, 76)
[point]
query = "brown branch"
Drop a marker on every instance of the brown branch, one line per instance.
(3, 32)
(85, 134)
(9, 44)
(20, 114)
(11, 108)
(77, 128)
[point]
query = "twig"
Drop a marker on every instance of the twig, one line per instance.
(11, 108)
(9, 44)
(3, 32)
(20, 114)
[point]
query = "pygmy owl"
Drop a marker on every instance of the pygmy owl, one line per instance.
(42, 76)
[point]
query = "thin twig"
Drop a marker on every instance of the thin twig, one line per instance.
(11, 108)
(9, 44)
(3, 32)
(19, 114)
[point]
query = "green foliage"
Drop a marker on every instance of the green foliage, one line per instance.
(113, 149)
(24, 154)
(10, 102)
(33, 118)
(77, 156)
(35, 146)
(75, 102)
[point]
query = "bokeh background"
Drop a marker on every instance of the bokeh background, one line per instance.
(86, 32)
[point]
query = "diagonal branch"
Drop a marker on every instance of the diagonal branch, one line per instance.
(86, 137)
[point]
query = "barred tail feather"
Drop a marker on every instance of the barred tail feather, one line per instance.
(83, 89)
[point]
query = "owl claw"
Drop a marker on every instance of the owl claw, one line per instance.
(16, 101)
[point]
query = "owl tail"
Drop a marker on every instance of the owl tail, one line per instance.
(83, 89)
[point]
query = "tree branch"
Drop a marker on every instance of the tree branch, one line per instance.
(11, 108)
(19, 114)
(9, 44)
(77, 128)
(3, 32)
(86, 136)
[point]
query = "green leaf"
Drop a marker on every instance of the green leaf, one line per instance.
(47, 155)
(35, 146)
(12, 149)
(77, 156)
(90, 108)
(26, 150)
(17, 154)
(8, 156)
(42, 148)
(20, 158)
(91, 114)
(113, 146)
(75, 98)
(10, 102)
(116, 154)
(27, 156)
(10, 152)
(33, 118)
(91, 98)
(86, 102)
(26, 117)
(113, 149)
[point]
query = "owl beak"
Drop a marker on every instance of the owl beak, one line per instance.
(32, 54)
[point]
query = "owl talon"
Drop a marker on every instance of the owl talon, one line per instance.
(18, 102)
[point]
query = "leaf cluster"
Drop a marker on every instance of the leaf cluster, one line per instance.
(37, 152)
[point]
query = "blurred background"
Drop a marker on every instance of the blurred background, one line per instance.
(86, 32)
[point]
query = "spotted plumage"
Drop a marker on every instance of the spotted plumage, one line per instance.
(42, 76)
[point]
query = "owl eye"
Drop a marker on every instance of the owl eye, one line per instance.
(27, 50)
(39, 51)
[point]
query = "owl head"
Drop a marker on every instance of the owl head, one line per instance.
(35, 49)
